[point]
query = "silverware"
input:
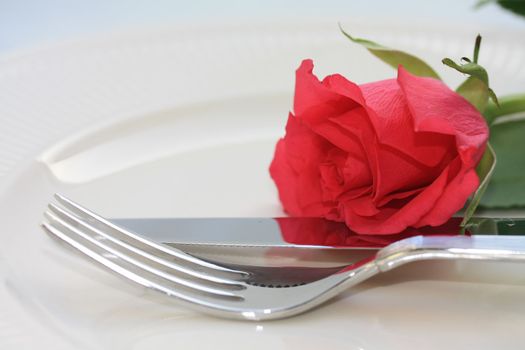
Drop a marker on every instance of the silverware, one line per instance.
(239, 293)
(253, 243)
(289, 232)
(291, 241)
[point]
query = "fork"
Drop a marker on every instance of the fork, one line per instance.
(235, 293)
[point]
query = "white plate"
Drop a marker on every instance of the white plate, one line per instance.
(182, 122)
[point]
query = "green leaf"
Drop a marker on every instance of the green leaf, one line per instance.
(516, 6)
(510, 104)
(395, 58)
(485, 171)
(507, 187)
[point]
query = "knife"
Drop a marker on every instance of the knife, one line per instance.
(296, 232)
(292, 240)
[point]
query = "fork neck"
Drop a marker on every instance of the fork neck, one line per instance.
(487, 248)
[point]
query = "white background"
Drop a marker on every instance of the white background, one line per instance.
(28, 23)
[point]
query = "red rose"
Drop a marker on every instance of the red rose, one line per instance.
(381, 156)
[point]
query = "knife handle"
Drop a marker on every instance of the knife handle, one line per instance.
(487, 248)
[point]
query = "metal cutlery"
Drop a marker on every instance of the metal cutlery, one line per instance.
(290, 241)
(246, 292)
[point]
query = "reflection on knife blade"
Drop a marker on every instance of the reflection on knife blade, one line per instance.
(273, 242)
(263, 242)
(295, 232)
(265, 245)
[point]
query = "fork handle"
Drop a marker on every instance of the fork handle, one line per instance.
(488, 248)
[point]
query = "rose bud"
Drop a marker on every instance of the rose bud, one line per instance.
(381, 156)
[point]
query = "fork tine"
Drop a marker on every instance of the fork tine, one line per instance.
(107, 225)
(129, 259)
(65, 217)
(129, 268)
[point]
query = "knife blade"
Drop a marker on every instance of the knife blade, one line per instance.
(273, 242)
(263, 246)
(295, 232)
(263, 242)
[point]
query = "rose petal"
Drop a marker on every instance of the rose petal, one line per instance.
(398, 195)
(341, 118)
(436, 108)
(294, 169)
(400, 173)
(396, 219)
(356, 172)
(310, 92)
(453, 199)
(395, 127)
(285, 179)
